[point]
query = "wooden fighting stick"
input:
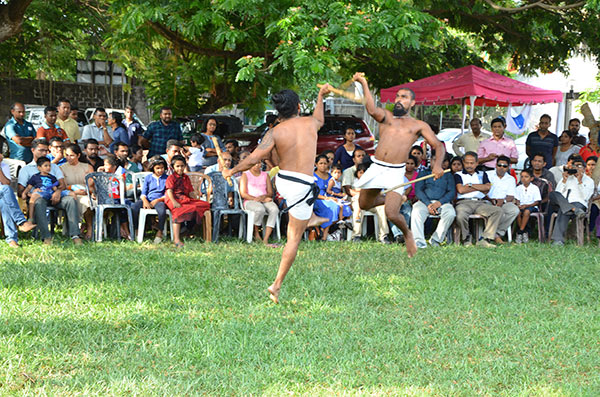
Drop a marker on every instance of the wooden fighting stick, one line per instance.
(345, 94)
(413, 181)
(220, 156)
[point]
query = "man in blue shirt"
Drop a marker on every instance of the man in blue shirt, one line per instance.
(20, 133)
(542, 141)
(435, 199)
(159, 132)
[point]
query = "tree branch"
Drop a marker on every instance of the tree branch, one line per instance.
(11, 17)
(540, 4)
(184, 43)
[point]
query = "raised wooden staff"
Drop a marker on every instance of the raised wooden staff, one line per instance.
(220, 156)
(345, 94)
(413, 181)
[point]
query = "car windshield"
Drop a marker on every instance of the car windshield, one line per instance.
(446, 135)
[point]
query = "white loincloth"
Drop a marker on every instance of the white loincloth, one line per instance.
(294, 192)
(382, 175)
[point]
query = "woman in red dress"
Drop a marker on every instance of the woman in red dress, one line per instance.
(182, 206)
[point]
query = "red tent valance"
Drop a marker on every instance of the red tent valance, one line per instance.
(491, 89)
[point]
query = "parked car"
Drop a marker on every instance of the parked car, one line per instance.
(227, 125)
(331, 135)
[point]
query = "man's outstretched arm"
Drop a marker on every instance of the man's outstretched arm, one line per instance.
(319, 112)
(377, 113)
(261, 152)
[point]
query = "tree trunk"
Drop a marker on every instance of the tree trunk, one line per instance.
(11, 18)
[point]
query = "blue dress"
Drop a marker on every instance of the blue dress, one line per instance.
(327, 208)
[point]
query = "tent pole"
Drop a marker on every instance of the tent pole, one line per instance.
(464, 114)
(441, 117)
(472, 113)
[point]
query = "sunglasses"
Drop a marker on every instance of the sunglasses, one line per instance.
(502, 165)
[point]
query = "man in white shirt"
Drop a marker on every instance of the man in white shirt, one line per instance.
(39, 148)
(502, 194)
(472, 187)
(572, 196)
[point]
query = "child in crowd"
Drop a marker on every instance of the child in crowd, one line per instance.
(334, 186)
(456, 164)
(153, 195)
(136, 155)
(182, 206)
(112, 165)
(528, 198)
(590, 164)
(360, 171)
(196, 153)
(41, 186)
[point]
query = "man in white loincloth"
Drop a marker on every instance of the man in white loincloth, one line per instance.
(397, 133)
(292, 144)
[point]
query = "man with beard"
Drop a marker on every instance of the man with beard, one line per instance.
(397, 133)
(293, 145)
(91, 154)
(574, 125)
(159, 132)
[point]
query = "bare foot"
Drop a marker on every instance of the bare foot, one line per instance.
(48, 241)
(13, 244)
(273, 294)
(77, 241)
(411, 246)
(316, 221)
(27, 226)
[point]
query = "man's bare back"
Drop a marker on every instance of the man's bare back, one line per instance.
(295, 142)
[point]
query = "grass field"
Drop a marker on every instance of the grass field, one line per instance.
(120, 318)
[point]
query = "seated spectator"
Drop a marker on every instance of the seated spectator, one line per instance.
(330, 157)
(113, 165)
(497, 145)
(75, 172)
(120, 133)
(183, 208)
(349, 180)
(41, 186)
(90, 156)
(472, 186)
(257, 192)
(557, 171)
(134, 161)
(502, 194)
(571, 198)
(566, 148)
(589, 150)
(12, 217)
(456, 164)
(410, 174)
(434, 197)
(39, 148)
(417, 152)
(196, 153)
(49, 129)
(57, 151)
(327, 207)
(174, 148)
(542, 178)
(334, 186)
(153, 195)
(528, 199)
(233, 147)
(19, 134)
(344, 153)
(590, 164)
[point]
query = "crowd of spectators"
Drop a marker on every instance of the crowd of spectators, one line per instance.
(482, 184)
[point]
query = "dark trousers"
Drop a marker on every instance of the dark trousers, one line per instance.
(160, 207)
(558, 203)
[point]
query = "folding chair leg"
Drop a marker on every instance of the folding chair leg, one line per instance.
(141, 226)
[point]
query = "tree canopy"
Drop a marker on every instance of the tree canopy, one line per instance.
(201, 55)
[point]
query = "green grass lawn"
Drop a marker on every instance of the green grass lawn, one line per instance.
(121, 318)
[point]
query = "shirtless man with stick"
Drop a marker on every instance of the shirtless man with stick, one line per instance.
(293, 145)
(397, 133)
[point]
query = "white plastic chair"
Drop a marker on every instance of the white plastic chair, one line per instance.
(364, 225)
(138, 179)
(250, 223)
(135, 178)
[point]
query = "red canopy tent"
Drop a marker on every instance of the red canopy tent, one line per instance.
(462, 85)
